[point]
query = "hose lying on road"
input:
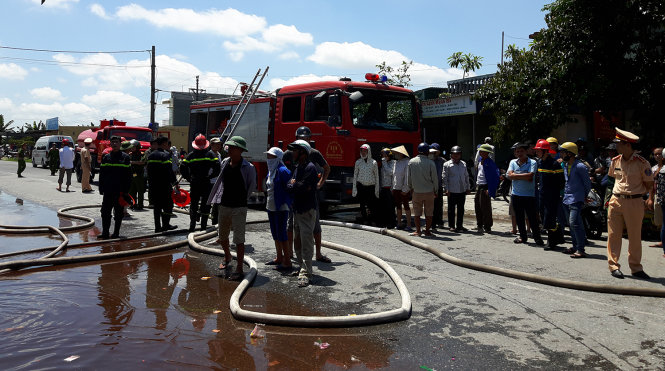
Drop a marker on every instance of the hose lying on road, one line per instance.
(401, 313)
(569, 284)
(193, 239)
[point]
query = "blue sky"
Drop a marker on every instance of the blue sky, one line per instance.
(225, 42)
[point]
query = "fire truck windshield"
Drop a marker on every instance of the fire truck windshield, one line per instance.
(384, 110)
(140, 135)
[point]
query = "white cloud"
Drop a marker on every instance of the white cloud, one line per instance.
(6, 104)
(282, 35)
(46, 94)
(99, 11)
(12, 71)
(289, 56)
(228, 23)
(61, 4)
(357, 55)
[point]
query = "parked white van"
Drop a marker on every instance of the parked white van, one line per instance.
(43, 144)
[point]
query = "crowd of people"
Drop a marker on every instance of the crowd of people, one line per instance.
(549, 187)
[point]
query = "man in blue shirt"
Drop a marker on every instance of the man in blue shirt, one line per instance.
(522, 172)
(577, 187)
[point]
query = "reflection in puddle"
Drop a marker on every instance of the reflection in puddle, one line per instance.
(156, 310)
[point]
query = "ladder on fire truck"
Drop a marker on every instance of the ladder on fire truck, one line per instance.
(247, 96)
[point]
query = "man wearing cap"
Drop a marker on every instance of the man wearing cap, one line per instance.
(161, 180)
(66, 164)
(487, 182)
(323, 170)
(550, 186)
(53, 159)
(522, 172)
(456, 185)
(86, 165)
(633, 178)
(576, 189)
(234, 186)
(303, 186)
(423, 180)
(198, 168)
(114, 180)
(137, 189)
(435, 155)
(401, 191)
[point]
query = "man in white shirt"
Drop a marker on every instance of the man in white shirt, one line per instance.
(456, 186)
(66, 164)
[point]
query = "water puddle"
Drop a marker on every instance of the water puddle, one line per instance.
(165, 309)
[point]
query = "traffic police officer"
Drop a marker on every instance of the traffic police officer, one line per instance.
(161, 180)
(633, 178)
(114, 180)
(198, 168)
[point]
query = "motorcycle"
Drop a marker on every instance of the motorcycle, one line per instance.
(593, 216)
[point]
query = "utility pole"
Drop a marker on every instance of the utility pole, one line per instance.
(152, 88)
(502, 35)
(195, 92)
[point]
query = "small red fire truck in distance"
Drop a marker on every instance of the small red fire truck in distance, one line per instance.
(101, 140)
(342, 115)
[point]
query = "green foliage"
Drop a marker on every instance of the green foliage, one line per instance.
(468, 62)
(396, 76)
(593, 55)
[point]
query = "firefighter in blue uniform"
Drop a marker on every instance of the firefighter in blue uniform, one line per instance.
(115, 177)
(550, 185)
(161, 180)
(198, 168)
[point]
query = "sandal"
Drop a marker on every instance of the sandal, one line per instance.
(578, 255)
(569, 251)
(225, 264)
(414, 234)
(323, 259)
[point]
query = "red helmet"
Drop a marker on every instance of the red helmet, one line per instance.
(200, 142)
(65, 141)
(180, 197)
(544, 145)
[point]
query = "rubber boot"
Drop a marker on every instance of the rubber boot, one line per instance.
(106, 225)
(116, 230)
(166, 226)
(192, 225)
(204, 223)
(158, 224)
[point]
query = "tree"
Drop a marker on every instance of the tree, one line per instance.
(468, 62)
(606, 56)
(397, 76)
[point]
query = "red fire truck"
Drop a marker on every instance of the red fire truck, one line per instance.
(101, 140)
(342, 116)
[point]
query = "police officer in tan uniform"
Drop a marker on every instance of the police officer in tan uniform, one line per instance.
(633, 179)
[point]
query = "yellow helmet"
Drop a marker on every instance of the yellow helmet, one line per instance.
(570, 147)
(552, 140)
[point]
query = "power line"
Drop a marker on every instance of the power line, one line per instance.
(74, 51)
(50, 62)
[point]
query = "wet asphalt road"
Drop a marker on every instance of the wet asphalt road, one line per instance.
(461, 318)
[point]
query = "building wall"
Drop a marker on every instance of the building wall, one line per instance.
(177, 134)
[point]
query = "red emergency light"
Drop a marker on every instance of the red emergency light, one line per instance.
(375, 77)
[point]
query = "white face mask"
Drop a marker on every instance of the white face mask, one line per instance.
(273, 163)
(363, 155)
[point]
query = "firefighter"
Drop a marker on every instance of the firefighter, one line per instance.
(137, 189)
(161, 180)
(551, 183)
(53, 159)
(114, 180)
(198, 168)
(632, 179)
